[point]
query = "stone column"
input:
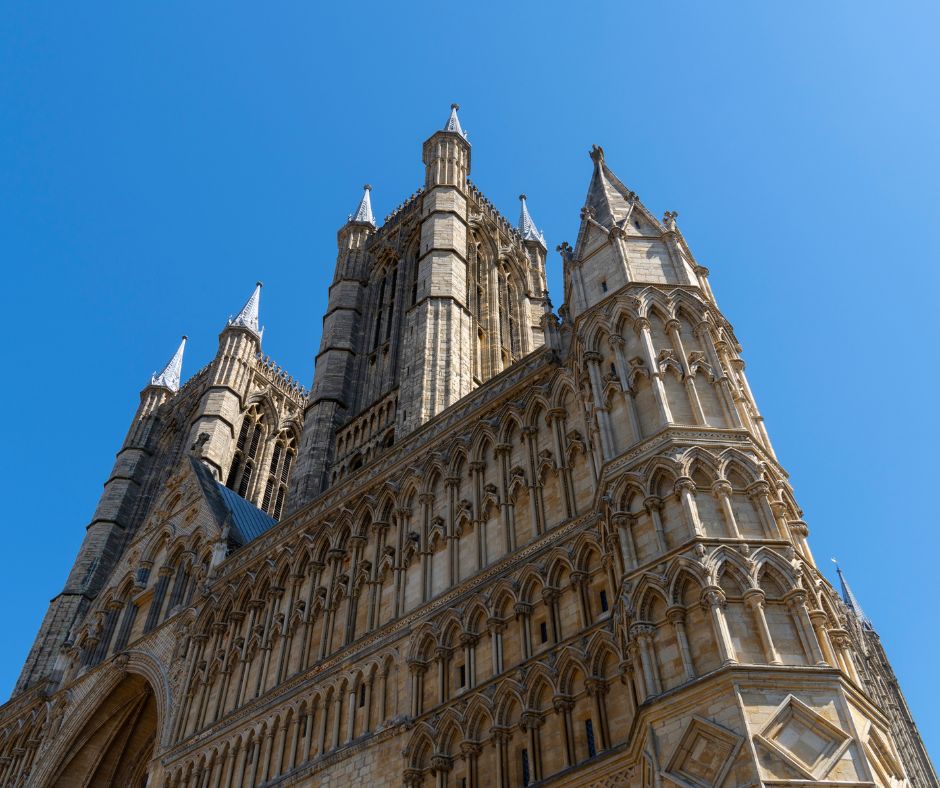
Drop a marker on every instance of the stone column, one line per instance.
(642, 327)
(643, 634)
(623, 522)
(443, 666)
(754, 599)
(676, 616)
(617, 344)
(496, 627)
(685, 491)
(713, 599)
(796, 602)
(532, 723)
(688, 379)
(725, 393)
(523, 612)
(820, 621)
(654, 506)
(597, 688)
(722, 490)
(593, 361)
(469, 642)
(471, 753)
(563, 706)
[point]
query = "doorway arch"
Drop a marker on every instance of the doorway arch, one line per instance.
(115, 745)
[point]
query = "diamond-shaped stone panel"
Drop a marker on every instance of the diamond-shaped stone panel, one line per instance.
(704, 754)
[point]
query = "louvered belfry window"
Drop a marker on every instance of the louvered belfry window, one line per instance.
(250, 438)
(275, 489)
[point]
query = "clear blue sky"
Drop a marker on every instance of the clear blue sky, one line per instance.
(157, 159)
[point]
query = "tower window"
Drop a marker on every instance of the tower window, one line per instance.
(526, 775)
(603, 596)
(462, 676)
(604, 285)
(543, 631)
(589, 735)
(362, 695)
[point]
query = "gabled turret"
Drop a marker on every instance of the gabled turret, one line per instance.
(620, 242)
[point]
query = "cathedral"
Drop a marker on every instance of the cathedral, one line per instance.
(494, 544)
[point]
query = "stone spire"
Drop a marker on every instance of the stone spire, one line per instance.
(608, 200)
(248, 317)
(364, 211)
(453, 122)
(527, 227)
(170, 377)
(849, 598)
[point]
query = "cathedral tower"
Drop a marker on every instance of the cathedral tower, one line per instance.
(518, 548)
(422, 310)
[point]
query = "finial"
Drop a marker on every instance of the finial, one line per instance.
(364, 211)
(453, 122)
(597, 153)
(170, 376)
(248, 317)
(527, 227)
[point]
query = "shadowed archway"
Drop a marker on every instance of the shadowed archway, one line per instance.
(116, 744)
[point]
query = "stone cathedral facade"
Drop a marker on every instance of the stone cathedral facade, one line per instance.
(493, 544)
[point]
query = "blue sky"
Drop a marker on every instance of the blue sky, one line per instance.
(157, 159)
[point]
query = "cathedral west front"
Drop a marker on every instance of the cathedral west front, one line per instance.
(494, 544)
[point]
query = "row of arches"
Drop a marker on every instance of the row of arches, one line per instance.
(657, 358)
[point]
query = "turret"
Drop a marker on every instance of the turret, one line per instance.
(436, 360)
(221, 404)
(620, 242)
(331, 393)
(535, 249)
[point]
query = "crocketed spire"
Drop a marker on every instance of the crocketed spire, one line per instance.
(248, 317)
(527, 227)
(453, 122)
(170, 377)
(849, 598)
(364, 211)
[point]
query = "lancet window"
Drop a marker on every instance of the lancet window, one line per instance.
(275, 489)
(250, 439)
(385, 305)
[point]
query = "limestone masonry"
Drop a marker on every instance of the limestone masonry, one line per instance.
(492, 546)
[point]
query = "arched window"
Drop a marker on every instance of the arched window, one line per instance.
(250, 437)
(513, 318)
(385, 305)
(275, 490)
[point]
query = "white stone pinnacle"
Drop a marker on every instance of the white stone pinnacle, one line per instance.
(248, 317)
(364, 211)
(527, 227)
(170, 377)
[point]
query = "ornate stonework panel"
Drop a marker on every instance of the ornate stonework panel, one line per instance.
(703, 756)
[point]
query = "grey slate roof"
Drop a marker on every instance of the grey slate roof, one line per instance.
(248, 522)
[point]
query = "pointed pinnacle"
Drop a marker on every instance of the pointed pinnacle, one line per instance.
(527, 227)
(364, 211)
(170, 377)
(849, 598)
(248, 317)
(453, 122)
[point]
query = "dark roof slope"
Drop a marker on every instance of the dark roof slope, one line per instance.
(246, 521)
